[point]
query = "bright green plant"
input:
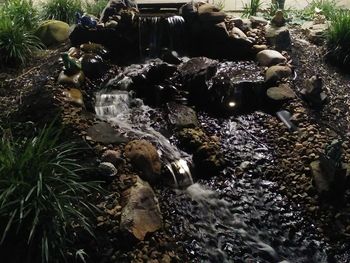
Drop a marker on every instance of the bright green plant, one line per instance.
(96, 8)
(252, 8)
(327, 7)
(43, 200)
(338, 38)
(63, 10)
(22, 13)
(16, 43)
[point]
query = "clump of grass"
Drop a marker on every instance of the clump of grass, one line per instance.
(338, 38)
(96, 8)
(252, 8)
(328, 8)
(22, 13)
(42, 198)
(63, 10)
(17, 44)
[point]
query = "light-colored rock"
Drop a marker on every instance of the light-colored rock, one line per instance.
(144, 157)
(276, 73)
(53, 32)
(75, 80)
(182, 116)
(280, 93)
(141, 213)
(270, 57)
(107, 170)
(236, 32)
(75, 96)
(258, 48)
(279, 37)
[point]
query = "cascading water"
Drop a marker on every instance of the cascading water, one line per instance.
(132, 118)
(157, 33)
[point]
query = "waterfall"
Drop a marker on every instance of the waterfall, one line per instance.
(157, 33)
(132, 119)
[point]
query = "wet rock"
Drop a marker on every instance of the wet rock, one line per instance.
(76, 79)
(270, 57)
(171, 57)
(112, 156)
(141, 213)
(279, 37)
(313, 91)
(95, 48)
(192, 139)
(53, 32)
(278, 19)
(277, 73)
(107, 170)
(181, 116)
(93, 65)
(104, 133)
(75, 96)
(328, 180)
(281, 93)
(144, 157)
(255, 20)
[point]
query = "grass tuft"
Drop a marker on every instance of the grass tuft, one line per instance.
(252, 8)
(328, 9)
(63, 10)
(42, 198)
(22, 13)
(338, 38)
(96, 8)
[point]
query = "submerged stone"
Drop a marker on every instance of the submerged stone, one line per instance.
(104, 133)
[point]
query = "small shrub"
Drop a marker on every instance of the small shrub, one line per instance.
(327, 7)
(16, 43)
(252, 8)
(42, 199)
(96, 8)
(63, 10)
(22, 13)
(338, 38)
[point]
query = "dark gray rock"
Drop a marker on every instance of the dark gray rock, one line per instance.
(182, 116)
(104, 133)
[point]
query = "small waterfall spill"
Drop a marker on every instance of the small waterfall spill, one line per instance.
(157, 33)
(132, 118)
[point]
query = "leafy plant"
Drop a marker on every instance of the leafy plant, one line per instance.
(327, 7)
(252, 8)
(220, 4)
(96, 8)
(16, 43)
(22, 13)
(338, 38)
(63, 10)
(42, 198)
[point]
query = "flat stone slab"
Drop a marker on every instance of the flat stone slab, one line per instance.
(104, 133)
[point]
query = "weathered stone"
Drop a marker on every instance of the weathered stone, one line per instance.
(312, 91)
(75, 96)
(270, 57)
(258, 48)
(112, 157)
(280, 93)
(207, 8)
(93, 65)
(141, 213)
(278, 19)
(107, 170)
(236, 32)
(279, 37)
(53, 32)
(276, 73)
(316, 33)
(104, 133)
(76, 79)
(144, 157)
(182, 116)
(258, 21)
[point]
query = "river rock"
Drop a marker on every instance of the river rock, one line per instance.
(278, 19)
(236, 32)
(75, 96)
(276, 73)
(93, 65)
(144, 157)
(104, 133)
(270, 57)
(75, 80)
(107, 170)
(279, 37)
(112, 157)
(141, 213)
(182, 116)
(53, 32)
(313, 93)
(280, 93)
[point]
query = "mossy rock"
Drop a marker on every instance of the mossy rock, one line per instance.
(53, 32)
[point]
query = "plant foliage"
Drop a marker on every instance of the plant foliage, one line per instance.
(42, 198)
(96, 8)
(17, 44)
(22, 13)
(338, 38)
(252, 8)
(63, 10)
(327, 7)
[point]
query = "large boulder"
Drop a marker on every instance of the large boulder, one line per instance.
(270, 57)
(53, 32)
(141, 213)
(144, 157)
